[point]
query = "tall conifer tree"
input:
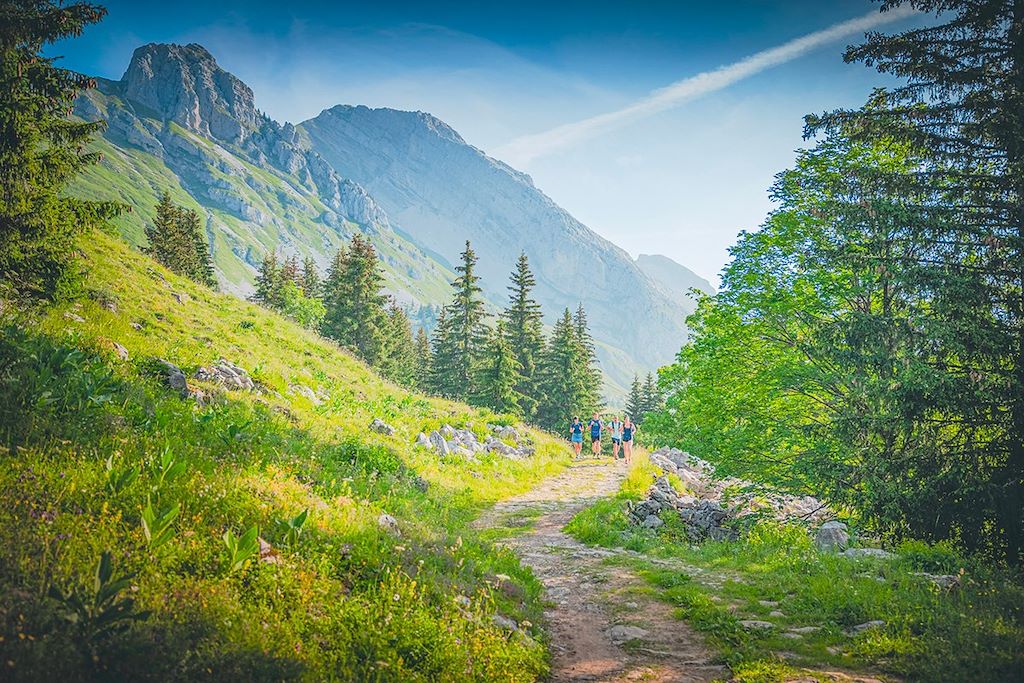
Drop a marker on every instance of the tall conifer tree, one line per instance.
(356, 317)
(42, 148)
(524, 332)
(498, 375)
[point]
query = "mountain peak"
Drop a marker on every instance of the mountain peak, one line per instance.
(398, 120)
(184, 84)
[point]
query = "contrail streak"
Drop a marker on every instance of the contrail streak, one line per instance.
(524, 149)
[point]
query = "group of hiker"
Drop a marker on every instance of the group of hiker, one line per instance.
(622, 434)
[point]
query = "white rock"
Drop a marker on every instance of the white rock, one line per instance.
(621, 633)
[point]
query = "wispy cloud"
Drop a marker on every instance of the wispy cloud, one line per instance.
(525, 149)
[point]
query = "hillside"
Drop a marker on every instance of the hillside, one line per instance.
(674, 277)
(179, 122)
(442, 191)
(384, 581)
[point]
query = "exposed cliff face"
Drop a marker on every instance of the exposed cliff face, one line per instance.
(184, 84)
(443, 191)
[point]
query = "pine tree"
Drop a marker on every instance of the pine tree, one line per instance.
(498, 375)
(42, 149)
(424, 360)
(635, 401)
(525, 336)
(399, 355)
(467, 334)
(651, 396)
(290, 270)
(177, 241)
(200, 264)
(310, 280)
(268, 283)
(563, 394)
(443, 362)
(587, 367)
(356, 317)
(962, 110)
(161, 236)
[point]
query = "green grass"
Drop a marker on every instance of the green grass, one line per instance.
(973, 632)
(345, 600)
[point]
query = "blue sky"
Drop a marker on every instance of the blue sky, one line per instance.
(681, 180)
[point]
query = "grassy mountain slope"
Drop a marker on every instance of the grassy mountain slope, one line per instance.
(349, 599)
(250, 208)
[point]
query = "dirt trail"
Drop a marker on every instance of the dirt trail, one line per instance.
(604, 625)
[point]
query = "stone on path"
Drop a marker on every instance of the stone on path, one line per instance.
(622, 633)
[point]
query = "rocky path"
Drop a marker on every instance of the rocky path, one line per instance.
(604, 625)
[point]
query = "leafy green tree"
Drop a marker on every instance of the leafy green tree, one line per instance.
(307, 311)
(587, 367)
(353, 295)
(651, 395)
(162, 241)
(498, 375)
(290, 270)
(524, 331)
(201, 267)
(176, 240)
(42, 149)
(443, 361)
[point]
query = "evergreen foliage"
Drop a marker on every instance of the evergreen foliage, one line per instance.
(176, 240)
(523, 324)
(356, 315)
(424, 360)
(565, 373)
(400, 357)
(42, 149)
(499, 374)
(635, 403)
(462, 332)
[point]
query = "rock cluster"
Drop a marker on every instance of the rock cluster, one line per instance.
(226, 374)
(464, 442)
(710, 505)
(704, 519)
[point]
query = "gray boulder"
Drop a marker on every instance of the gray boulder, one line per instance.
(439, 444)
(381, 427)
(623, 633)
(173, 376)
(388, 524)
(832, 536)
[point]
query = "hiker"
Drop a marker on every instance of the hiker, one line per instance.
(576, 435)
(615, 427)
(628, 432)
(595, 435)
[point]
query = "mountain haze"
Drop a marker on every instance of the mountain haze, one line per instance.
(178, 122)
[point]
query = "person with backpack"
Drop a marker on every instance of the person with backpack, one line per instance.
(576, 435)
(615, 427)
(628, 432)
(595, 435)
